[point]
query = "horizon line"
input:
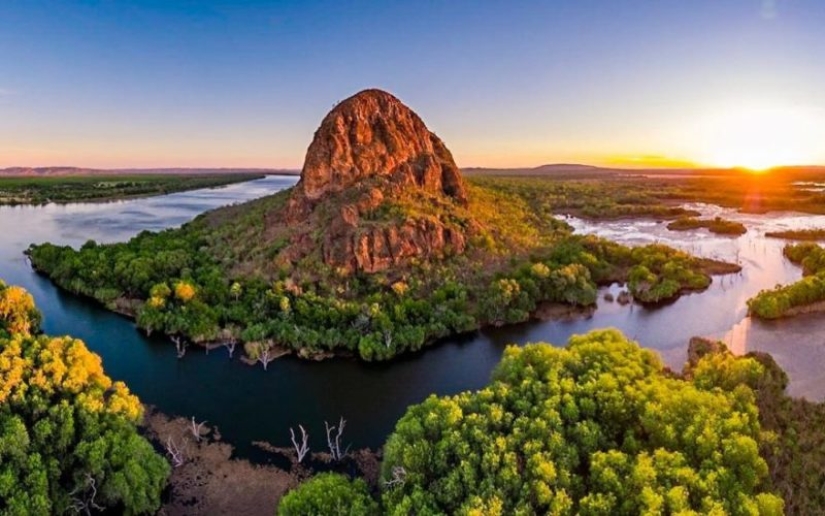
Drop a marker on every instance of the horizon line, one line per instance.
(471, 167)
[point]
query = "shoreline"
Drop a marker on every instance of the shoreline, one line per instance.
(207, 477)
(810, 308)
(118, 198)
(544, 311)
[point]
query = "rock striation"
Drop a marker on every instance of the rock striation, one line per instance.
(369, 152)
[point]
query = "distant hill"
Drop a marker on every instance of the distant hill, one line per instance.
(80, 171)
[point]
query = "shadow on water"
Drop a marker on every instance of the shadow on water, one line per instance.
(249, 404)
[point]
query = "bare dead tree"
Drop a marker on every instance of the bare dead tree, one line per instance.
(198, 430)
(265, 354)
(334, 443)
(180, 345)
(399, 477)
(230, 346)
(301, 450)
(229, 339)
(175, 452)
(388, 338)
(83, 497)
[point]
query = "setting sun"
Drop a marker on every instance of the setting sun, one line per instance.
(759, 138)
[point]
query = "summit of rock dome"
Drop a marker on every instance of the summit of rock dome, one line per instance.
(374, 134)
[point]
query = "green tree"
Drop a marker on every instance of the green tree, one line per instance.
(68, 434)
(596, 428)
(329, 494)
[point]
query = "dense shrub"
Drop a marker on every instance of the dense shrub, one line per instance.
(597, 428)
(68, 434)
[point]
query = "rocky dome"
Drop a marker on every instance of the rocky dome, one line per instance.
(372, 134)
(377, 191)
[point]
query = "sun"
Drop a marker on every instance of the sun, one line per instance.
(760, 138)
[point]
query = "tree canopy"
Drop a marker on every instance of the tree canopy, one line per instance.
(785, 300)
(17, 311)
(68, 433)
(176, 282)
(330, 494)
(599, 427)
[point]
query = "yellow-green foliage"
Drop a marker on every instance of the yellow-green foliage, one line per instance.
(17, 311)
(782, 300)
(68, 434)
(329, 494)
(596, 428)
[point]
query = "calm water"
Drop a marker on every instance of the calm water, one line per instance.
(249, 404)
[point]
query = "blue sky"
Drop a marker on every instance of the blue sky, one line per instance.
(165, 83)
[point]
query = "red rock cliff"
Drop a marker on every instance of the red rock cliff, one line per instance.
(373, 133)
(371, 149)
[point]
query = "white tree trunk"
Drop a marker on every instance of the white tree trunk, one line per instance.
(301, 450)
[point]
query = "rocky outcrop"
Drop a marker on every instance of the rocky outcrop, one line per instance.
(378, 248)
(373, 134)
(699, 347)
(372, 150)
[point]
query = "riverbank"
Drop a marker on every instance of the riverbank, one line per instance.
(42, 190)
(208, 479)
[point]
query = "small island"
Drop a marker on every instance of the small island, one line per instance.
(716, 225)
(798, 234)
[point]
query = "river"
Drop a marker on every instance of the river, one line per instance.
(249, 404)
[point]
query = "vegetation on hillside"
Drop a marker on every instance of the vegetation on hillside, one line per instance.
(218, 279)
(793, 444)
(600, 427)
(63, 189)
(786, 300)
(68, 433)
(795, 452)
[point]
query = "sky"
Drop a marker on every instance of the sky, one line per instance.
(167, 83)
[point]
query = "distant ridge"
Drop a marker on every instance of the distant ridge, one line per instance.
(555, 169)
(57, 171)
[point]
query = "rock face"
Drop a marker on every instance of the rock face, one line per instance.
(377, 249)
(372, 134)
(371, 149)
